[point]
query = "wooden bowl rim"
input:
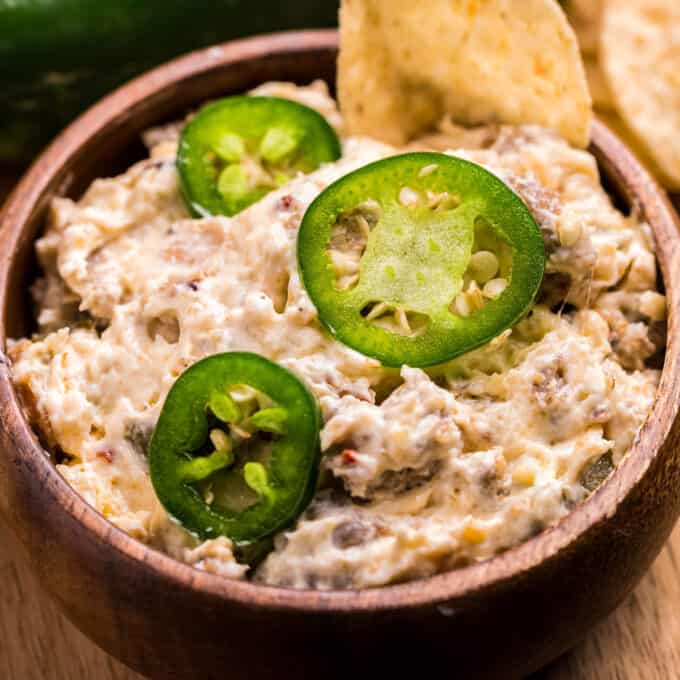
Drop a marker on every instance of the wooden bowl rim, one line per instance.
(447, 587)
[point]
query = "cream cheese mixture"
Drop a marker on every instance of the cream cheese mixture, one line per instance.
(423, 470)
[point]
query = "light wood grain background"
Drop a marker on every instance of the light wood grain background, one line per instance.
(640, 641)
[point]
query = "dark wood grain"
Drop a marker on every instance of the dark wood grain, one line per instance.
(499, 619)
(641, 639)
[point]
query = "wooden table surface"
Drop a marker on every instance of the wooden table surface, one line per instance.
(639, 641)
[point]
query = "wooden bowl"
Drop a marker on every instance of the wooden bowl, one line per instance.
(499, 619)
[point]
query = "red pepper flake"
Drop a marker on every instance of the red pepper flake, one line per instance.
(285, 202)
(105, 454)
(382, 530)
(349, 457)
(193, 284)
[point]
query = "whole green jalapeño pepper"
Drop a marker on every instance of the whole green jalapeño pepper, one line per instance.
(236, 150)
(418, 258)
(235, 451)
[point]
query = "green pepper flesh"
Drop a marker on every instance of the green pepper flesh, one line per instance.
(416, 256)
(236, 150)
(281, 485)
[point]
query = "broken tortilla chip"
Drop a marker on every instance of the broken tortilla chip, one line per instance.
(403, 65)
(640, 54)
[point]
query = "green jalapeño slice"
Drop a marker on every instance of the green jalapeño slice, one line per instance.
(419, 258)
(236, 451)
(236, 150)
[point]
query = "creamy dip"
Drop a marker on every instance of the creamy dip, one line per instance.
(423, 470)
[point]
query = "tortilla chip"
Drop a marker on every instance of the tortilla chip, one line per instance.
(597, 83)
(640, 53)
(618, 125)
(403, 65)
(585, 16)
